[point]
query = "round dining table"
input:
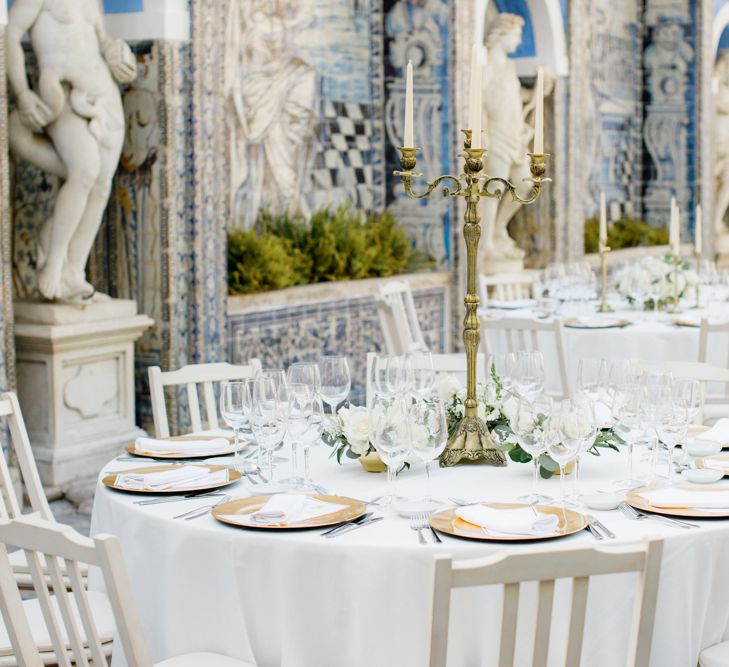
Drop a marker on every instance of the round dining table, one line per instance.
(363, 599)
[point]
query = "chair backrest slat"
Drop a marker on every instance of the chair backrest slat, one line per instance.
(68, 615)
(513, 570)
(506, 286)
(399, 318)
(188, 378)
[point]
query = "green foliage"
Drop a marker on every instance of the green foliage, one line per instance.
(626, 232)
(342, 244)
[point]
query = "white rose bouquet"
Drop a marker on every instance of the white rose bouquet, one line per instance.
(653, 278)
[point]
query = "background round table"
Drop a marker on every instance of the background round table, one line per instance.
(363, 599)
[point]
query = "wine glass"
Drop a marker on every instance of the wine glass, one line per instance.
(583, 428)
(278, 375)
(529, 375)
(389, 435)
(531, 426)
(592, 378)
(504, 365)
(298, 419)
(631, 410)
(335, 380)
(312, 437)
(571, 428)
(305, 372)
(672, 426)
(420, 373)
(268, 418)
(692, 391)
(428, 436)
(234, 402)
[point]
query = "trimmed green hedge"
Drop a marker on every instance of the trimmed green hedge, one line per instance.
(341, 244)
(624, 233)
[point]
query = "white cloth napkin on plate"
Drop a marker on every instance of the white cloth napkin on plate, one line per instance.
(716, 464)
(719, 432)
(593, 322)
(286, 508)
(684, 498)
(511, 304)
(155, 446)
(182, 478)
(520, 521)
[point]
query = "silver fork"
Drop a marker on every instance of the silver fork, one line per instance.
(425, 522)
(632, 513)
(417, 524)
(200, 511)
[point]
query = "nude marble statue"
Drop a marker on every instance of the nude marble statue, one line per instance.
(72, 127)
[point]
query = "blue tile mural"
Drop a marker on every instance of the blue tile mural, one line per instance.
(123, 6)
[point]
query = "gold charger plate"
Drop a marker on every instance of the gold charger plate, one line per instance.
(131, 448)
(719, 458)
(687, 323)
(614, 324)
(640, 503)
(353, 510)
(447, 522)
(233, 476)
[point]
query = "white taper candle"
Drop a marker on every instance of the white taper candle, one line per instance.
(408, 140)
(539, 115)
(475, 110)
(603, 221)
(698, 230)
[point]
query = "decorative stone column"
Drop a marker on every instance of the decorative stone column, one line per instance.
(75, 370)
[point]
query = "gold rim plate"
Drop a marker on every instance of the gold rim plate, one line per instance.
(353, 510)
(609, 324)
(447, 522)
(687, 323)
(131, 448)
(233, 476)
(719, 458)
(640, 503)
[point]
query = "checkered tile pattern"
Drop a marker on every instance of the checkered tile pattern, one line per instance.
(343, 164)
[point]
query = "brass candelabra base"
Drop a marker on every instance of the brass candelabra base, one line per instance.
(604, 308)
(471, 442)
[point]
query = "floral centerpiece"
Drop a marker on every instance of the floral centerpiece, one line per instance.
(653, 278)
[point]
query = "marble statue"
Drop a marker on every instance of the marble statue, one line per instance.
(721, 144)
(72, 127)
(507, 134)
(271, 97)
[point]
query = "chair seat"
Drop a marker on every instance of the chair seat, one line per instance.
(100, 609)
(22, 572)
(200, 659)
(715, 656)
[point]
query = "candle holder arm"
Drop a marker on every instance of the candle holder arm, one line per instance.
(407, 177)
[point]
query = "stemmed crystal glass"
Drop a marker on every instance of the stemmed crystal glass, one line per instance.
(529, 374)
(672, 426)
(335, 380)
(305, 372)
(531, 426)
(389, 435)
(312, 437)
(504, 365)
(573, 426)
(420, 373)
(298, 423)
(235, 402)
(268, 418)
(631, 412)
(277, 375)
(692, 391)
(592, 383)
(428, 435)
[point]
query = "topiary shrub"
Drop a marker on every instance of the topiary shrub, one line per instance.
(626, 232)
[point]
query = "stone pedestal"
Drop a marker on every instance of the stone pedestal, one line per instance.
(721, 248)
(75, 377)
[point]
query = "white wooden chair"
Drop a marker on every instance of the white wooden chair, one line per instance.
(9, 505)
(705, 333)
(578, 565)
(523, 333)
(506, 286)
(399, 319)
(715, 656)
(452, 364)
(190, 377)
(70, 627)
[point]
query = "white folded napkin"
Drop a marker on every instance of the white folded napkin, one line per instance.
(286, 508)
(520, 521)
(593, 322)
(184, 477)
(511, 304)
(678, 497)
(191, 446)
(716, 464)
(719, 432)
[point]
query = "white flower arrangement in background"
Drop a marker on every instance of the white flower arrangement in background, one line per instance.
(653, 278)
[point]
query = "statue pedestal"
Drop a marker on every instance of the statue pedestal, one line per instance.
(75, 376)
(493, 267)
(721, 248)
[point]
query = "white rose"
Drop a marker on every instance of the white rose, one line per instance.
(448, 387)
(356, 428)
(510, 407)
(576, 426)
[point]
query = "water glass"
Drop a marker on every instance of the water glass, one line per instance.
(631, 412)
(428, 431)
(671, 427)
(305, 372)
(268, 418)
(277, 375)
(298, 422)
(504, 365)
(531, 426)
(573, 426)
(390, 437)
(420, 373)
(335, 380)
(312, 438)
(235, 400)
(529, 374)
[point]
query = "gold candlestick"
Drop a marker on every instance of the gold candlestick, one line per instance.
(697, 258)
(471, 440)
(676, 261)
(604, 307)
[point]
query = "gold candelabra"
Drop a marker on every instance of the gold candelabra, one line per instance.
(604, 307)
(676, 260)
(471, 440)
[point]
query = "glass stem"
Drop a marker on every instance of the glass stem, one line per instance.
(236, 435)
(270, 465)
(427, 479)
(294, 460)
(535, 477)
(630, 464)
(576, 485)
(670, 464)
(391, 481)
(561, 485)
(307, 469)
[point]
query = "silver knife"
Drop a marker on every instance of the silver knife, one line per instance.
(601, 526)
(354, 526)
(359, 519)
(594, 531)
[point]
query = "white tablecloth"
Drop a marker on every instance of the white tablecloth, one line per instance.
(650, 338)
(363, 599)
